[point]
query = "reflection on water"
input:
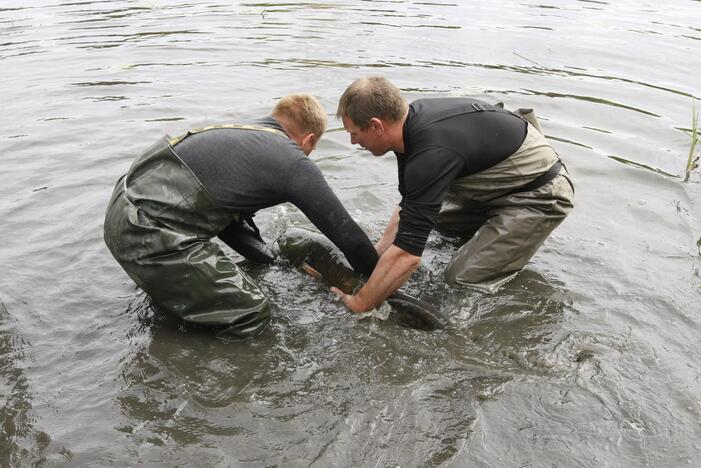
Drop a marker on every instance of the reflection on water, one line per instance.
(643, 166)
(20, 440)
(594, 99)
(406, 402)
(588, 357)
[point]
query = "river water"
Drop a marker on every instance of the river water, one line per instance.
(589, 357)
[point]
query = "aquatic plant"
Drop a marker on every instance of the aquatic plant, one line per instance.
(691, 162)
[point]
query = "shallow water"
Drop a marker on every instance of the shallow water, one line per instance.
(589, 357)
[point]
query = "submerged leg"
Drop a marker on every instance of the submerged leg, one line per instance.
(515, 229)
(203, 286)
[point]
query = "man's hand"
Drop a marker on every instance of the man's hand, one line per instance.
(352, 302)
(393, 269)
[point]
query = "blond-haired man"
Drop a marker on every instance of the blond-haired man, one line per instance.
(184, 191)
(466, 168)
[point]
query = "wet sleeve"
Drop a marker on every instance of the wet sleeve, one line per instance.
(427, 177)
(309, 191)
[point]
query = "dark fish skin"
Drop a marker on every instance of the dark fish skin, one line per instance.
(305, 248)
(417, 314)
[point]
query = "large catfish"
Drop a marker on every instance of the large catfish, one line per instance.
(319, 257)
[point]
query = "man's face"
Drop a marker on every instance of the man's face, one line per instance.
(369, 138)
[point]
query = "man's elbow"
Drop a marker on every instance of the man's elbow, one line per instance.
(409, 261)
(413, 262)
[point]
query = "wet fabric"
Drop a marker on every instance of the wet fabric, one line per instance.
(446, 139)
(164, 213)
(505, 225)
(159, 225)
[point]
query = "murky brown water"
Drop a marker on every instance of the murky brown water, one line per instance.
(590, 357)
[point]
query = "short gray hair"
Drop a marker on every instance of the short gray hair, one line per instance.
(370, 97)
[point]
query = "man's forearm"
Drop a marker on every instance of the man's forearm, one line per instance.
(392, 271)
(390, 233)
(326, 212)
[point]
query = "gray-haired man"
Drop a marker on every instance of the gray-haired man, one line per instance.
(465, 167)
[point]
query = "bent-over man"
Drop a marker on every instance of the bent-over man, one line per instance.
(182, 192)
(465, 167)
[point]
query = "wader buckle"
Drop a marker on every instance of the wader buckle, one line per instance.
(478, 107)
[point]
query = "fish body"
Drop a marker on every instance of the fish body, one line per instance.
(318, 256)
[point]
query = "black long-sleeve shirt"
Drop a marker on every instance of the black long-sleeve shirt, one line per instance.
(248, 170)
(445, 139)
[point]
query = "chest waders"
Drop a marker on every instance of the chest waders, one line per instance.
(159, 226)
(506, 211)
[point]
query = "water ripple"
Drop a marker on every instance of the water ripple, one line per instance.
(585, 355)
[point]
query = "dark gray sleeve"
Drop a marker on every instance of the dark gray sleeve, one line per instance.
(309, 191)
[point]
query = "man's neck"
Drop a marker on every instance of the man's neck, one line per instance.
(289, 128)
(395, 134)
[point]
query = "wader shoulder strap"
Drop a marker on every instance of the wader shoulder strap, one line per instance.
(176, 140)
(527, 115)
(470, 108)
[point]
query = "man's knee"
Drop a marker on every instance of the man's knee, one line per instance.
(235, 319)
(248, 325)
(457, 274)
(451, 277)
(486, 279)
(480, 262)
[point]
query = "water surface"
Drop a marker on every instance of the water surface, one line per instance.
(589, 357)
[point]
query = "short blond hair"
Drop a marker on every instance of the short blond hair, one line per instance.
(304, 112)
(370, 97)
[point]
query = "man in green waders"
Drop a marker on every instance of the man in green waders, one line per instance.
(182, 192)
(466, 168)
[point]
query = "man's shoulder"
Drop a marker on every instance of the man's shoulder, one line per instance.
(440, 103)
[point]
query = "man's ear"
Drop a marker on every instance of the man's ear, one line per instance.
(309, 143)
(376, 125)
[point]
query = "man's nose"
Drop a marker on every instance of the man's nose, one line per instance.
(354, 140)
